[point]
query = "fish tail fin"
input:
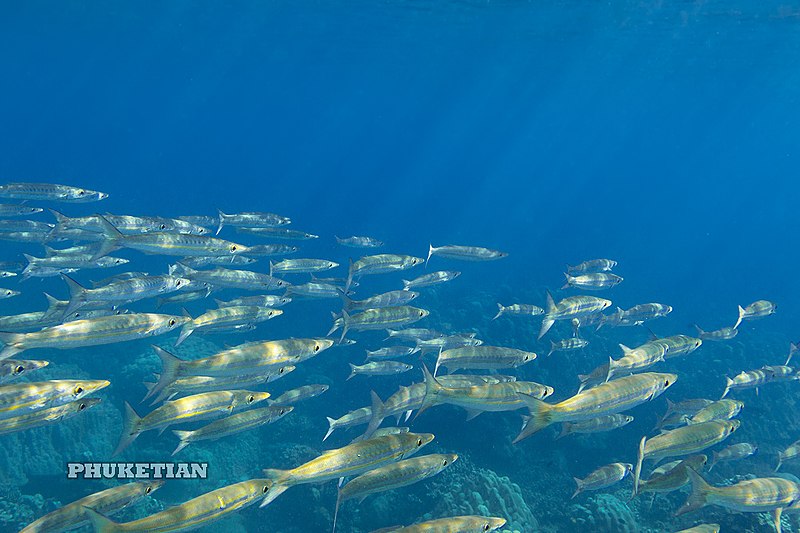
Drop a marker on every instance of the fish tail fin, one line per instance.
(728, 383)
(500, 310)
(271, 267)
(352, 371)
(349, 275)
(567, 285)
(378, 414)
(780, 462)
(52, 305)
(542, 415)
(112, 237)
(431, 249)
(714, 459)
(129, 429)
(699, 495)
(170, 366)
(345, 324)
(432, 390)
(100, 522)
(637, 470)
(547, 323)
(741, 316)
(347, 302)
(331, 428)
(221, 216)
(792, 351)
(406, 284)
(699, 330)
(185, 437)
(579, 489)
(77, 294)
(552, 348)
(565, 430)
(11, 342)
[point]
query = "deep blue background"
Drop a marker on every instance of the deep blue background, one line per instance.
(664, 135)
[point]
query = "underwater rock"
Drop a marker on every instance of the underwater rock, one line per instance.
(479, 491)
(603, 513)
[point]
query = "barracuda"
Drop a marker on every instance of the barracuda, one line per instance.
(201, 511)
(22, 398)
(162, 243)
(750, 496)
(480, 398)
(196, 384)
(455, 524)
(682, 441)
(233, 424)
(382, 318)
(122, 291)
(226, 317)
(608, 398)
(50, 192)
(672, 476)
(301, 266)
(569, 308)
(106, 501)
(188, 409)
(91, 332)
(350, 460)
(393, 476)
(246, 358)
(44, 417)
(482, 358)
(380, 264)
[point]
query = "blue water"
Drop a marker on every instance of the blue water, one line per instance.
(662, 135)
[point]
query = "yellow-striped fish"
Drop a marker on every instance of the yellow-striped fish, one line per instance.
(188, 409)
(772, 494)
(393, 476)
(197, 512)
(455, 524)
(682, 441)
(607, 398)
(106, 501)
(350, 460)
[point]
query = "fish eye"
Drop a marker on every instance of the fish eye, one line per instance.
(233, 248)
(171, 322)
(280, 371)
(81, 193)
(81, 407)
(419, 442)
(316, 347)
(19, 369)
(666, 383)
(251, 399)
(162, 226)
(486, 527)
(78, 390)
(178, 283)
(148, 490)
(422, 313)
(265, 489)
(444, 462)
(271, 313)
